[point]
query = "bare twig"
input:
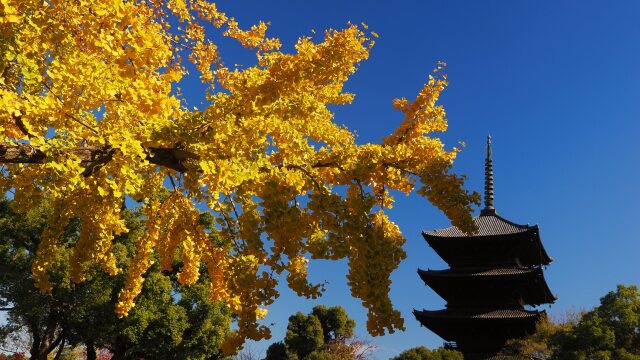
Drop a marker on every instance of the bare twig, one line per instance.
(80, 122)
(173, 183)
(308, 174)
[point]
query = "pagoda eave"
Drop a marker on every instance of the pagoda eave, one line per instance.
(480, 315)
(522, 249)
(479, 329)
(465, 287)
(487, 224)
(444, 234)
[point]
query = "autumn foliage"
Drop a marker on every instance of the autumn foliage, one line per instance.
(91, 113)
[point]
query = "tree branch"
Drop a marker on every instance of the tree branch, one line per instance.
(93, 157)
(308, 174)
(60, 348)
(56, 342)
(21, 126)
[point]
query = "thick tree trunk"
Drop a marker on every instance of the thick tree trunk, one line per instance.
(48, 340)
(60, 348)
(119, 350)
(91, 351)
(35, 345)
(45, 342)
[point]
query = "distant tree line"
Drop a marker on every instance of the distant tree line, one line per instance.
(611, 331)
(422, 353)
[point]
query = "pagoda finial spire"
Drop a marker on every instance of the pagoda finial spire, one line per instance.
(488, 182)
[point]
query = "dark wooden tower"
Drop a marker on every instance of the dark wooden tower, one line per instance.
(494, 280)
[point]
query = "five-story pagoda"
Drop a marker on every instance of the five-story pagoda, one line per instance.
(493, 275)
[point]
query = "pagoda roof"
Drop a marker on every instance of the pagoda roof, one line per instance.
(480, 330)
(497, 242)
(490, 224)
(479, 287)
(473, 314)
(471, 272)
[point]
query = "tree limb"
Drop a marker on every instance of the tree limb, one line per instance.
(93, 157)
(60, 348)
(20, 124)
(55, 343)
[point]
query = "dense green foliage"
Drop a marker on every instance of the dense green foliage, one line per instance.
(335, 322)
(168, 322)
(611, 331)
(304, 335)
(323, 334)
(277, 351)
(538, 345)
(422, 353)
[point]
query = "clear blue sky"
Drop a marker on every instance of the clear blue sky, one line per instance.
(557, 84)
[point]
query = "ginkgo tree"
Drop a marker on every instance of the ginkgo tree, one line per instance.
(90, 114)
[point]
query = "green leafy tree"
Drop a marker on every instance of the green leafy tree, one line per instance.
(169, 322)
(539, 345)
(277, 351)
(422, 353)
(208, 323)
(320, 355)
(27, 309)
(609, 331)
(335, 322)
(324, 334)
(304, 335)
